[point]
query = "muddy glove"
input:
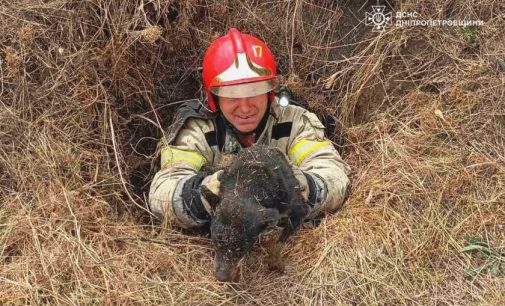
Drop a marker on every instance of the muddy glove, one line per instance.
(312, 187)
(209, 191)
(198, 195)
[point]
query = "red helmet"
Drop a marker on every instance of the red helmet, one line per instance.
(238, 65)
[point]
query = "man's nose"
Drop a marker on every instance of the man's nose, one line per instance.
(244, 105)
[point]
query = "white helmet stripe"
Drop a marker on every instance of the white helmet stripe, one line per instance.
(244, 90)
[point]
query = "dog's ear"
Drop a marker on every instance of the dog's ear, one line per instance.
(295, 219)
(267, 217)
(212, 199)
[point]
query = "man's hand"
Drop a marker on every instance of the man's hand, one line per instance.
(209, 191)
(313, 188)
(302, 181)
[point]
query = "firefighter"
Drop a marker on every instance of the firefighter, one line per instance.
(241, 109)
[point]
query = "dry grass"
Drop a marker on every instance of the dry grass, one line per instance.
(85, 86)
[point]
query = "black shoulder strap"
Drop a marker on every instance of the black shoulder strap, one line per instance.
(190, 109)
(281, 130)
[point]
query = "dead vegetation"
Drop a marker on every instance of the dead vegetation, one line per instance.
(85, 85)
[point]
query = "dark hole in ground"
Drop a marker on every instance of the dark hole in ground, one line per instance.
(141, 160)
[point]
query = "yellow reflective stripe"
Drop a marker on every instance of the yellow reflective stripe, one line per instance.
(172, 155)
(304, 147)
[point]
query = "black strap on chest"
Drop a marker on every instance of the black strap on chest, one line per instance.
(217, 137)
(282, 130)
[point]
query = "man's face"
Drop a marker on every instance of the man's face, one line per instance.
(244, 114)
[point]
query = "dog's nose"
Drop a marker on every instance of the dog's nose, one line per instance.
(225, 272)
(225, 275)
(222, 276)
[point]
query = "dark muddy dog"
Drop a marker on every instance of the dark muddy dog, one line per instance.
(256, 191)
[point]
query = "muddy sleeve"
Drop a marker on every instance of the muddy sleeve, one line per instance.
(174, 191)
(326, 172)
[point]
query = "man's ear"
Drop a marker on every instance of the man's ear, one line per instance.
(212, 199)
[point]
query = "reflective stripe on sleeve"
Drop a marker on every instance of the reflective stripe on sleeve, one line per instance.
(304, 147)
(173, 156)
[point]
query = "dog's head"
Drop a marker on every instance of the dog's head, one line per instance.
(235, 227)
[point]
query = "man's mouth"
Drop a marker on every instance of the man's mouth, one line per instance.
(245, 117)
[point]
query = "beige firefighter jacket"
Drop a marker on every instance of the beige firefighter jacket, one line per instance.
(295, 131)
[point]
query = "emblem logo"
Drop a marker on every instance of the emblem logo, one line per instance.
(377, 18)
